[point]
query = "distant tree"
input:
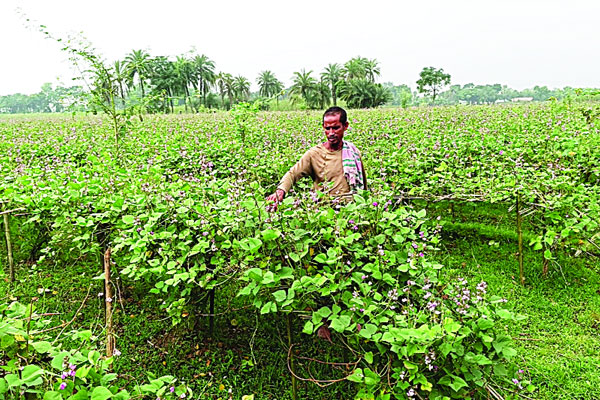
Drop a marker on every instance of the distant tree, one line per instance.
(371, 69)
(120, 74)
(138, 64)
(361, 93)
(356, 68)
(432, 81)
(332, 75)
(241, 88)
(225, 85)
(185, 72)
(304, 85)
(204, 70)
(268, 84)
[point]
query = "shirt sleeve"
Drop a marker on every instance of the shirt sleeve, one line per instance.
(302, 168)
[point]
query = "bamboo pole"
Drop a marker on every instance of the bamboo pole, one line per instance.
(520, 239)
(110, 339)
(11, 266)
(289, 335)
(211, 311)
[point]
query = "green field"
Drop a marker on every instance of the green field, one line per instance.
(397, 276)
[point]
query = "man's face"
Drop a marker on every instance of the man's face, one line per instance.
(334, 130)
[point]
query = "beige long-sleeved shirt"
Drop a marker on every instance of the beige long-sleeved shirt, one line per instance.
(322, 166)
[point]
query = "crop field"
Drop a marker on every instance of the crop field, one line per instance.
(146, 264)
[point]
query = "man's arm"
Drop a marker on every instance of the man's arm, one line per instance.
(302, 168)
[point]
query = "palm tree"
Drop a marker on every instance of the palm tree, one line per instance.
(165, 81)
(138, 64)
(184, 70)
(322, 93)
(372, 69)
(204, 69)
(241, 88)
(332, 75)
(355, 68)
(225, 85)
(120, 75)
(269, 84)
(304, 86)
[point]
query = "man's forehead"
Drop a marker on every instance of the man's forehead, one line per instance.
(332, 117)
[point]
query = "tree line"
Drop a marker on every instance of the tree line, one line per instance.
(192, 83)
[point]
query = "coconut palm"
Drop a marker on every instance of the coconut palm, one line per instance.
(355, 68)
(268, 84)
(241, 88)
(225, 85)
(371, 69)
(304, 86)
(120, 74)
(332, 75)
(204, 69)
(138, 64)
(184, 70)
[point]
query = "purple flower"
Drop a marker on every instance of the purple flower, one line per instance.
(363, 277)
(375, 204)
(172, 389)
(501, 152)
(63, 386)
(64, 375)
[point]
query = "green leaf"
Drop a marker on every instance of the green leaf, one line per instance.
(505, 314)
(371, 378)
(341, 323)
(324, 312)
(270, 234)
(356, 376)
(32, 375)
(128, 219)
(484, 323)
(369, 357)
(57, 361)
(52, 396)
(93, 357)
(295, 257)
(309, 328)
(122, 395)
(268, 307)
(280, 296)
(42, 347)
(458, 383)
(108, 378)
(368, 330)
(101, 393)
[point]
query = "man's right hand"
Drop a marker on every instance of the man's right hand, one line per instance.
(276, 197)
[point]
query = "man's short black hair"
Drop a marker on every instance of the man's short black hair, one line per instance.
(337, 110)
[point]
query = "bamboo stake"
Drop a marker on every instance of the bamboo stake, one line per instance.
(289, 335)
(11, 266)
(520, 239)
(110, 339)
(211, 311)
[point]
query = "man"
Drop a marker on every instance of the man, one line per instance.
(335, 165)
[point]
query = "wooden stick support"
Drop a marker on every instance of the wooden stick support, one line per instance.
(110, 339)
(11, 265)
(520, 239)
(211, 311)
(289, 335)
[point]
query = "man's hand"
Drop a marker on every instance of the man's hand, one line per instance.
(276, 197)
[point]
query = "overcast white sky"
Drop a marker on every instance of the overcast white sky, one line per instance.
(520, 43)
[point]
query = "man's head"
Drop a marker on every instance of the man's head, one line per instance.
(335, 123)
(336, 110)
